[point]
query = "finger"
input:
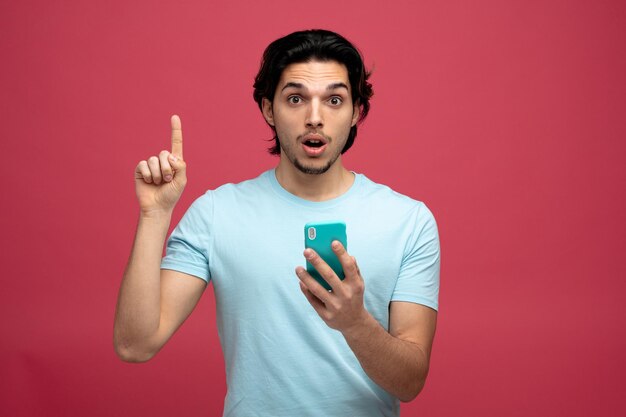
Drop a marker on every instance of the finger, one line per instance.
(166, 169)
(179, 168)
(313, 286)
(348, 263)
(155, 169)
(317, 304)
(322, 267)
(358, 270)
(177, 136)
(143, 172)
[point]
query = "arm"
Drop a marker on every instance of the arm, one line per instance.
(398, 361)
(153, 303)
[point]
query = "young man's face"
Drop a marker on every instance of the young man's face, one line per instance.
(312, 113)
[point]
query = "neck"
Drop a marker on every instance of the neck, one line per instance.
(314, 187)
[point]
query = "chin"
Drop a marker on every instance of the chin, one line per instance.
(312, 169)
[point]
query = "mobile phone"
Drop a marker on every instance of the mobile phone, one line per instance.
(319, 236)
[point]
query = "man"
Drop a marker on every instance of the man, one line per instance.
(291, 347)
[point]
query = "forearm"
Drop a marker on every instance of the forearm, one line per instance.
(139, 302)
(398, 366)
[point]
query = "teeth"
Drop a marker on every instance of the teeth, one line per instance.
(314, 143)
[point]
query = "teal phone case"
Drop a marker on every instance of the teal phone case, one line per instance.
(319, 236)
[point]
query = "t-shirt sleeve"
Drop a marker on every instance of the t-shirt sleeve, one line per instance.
(418, 281)
(188, 246)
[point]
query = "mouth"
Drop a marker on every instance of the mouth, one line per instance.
(314, 145)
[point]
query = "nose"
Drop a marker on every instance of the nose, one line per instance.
(314, 116)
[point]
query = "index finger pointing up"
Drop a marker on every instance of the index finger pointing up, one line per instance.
(177, 137)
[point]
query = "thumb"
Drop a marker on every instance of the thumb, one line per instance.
(180, 167)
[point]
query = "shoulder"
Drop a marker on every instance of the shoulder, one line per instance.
(252, 186)
(231, 199)
(392, 201)
(226, 199)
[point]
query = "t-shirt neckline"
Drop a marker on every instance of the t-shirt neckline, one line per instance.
(294, 199)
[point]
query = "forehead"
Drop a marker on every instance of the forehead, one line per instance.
(315, 74)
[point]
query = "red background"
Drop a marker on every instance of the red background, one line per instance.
(506, 117)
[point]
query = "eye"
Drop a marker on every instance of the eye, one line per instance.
(294, 99)
(335, 101)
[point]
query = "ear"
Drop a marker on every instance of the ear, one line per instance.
(356, 112)
(268, 113)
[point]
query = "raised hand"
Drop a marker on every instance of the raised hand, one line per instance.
(160, 180)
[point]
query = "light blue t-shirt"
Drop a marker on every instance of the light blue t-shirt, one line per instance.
(281, 358)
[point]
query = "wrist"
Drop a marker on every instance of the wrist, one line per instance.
(158, 215)
(362, 327)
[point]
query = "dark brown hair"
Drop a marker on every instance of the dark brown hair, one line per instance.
(308, 45)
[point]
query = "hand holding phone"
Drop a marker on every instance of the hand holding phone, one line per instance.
(319, 237)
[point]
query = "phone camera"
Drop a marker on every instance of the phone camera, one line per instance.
(311, 233)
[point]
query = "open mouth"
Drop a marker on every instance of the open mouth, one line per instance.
(314, 143)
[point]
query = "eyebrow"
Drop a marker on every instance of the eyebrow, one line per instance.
(329, 87)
